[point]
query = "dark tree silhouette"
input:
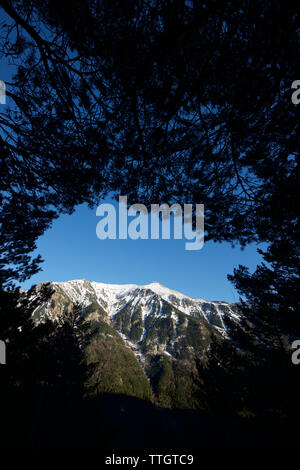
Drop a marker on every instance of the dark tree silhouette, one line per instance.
(172, 101)
(42, 385)
(165, 101)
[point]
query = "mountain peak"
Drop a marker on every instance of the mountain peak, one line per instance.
(163, 290)
(154, 284)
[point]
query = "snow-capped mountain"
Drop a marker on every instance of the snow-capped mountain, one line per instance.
(150, 318)
(143, 340)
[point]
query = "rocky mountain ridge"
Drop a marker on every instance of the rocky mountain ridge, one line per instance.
(140, 313)
(160, 329)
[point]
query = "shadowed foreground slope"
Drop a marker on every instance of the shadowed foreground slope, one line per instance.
(112, 423)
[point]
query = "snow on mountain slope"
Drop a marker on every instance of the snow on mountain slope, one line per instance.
(114, 294)
(151, 319)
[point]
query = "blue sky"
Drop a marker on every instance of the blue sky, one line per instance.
(71, 250)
